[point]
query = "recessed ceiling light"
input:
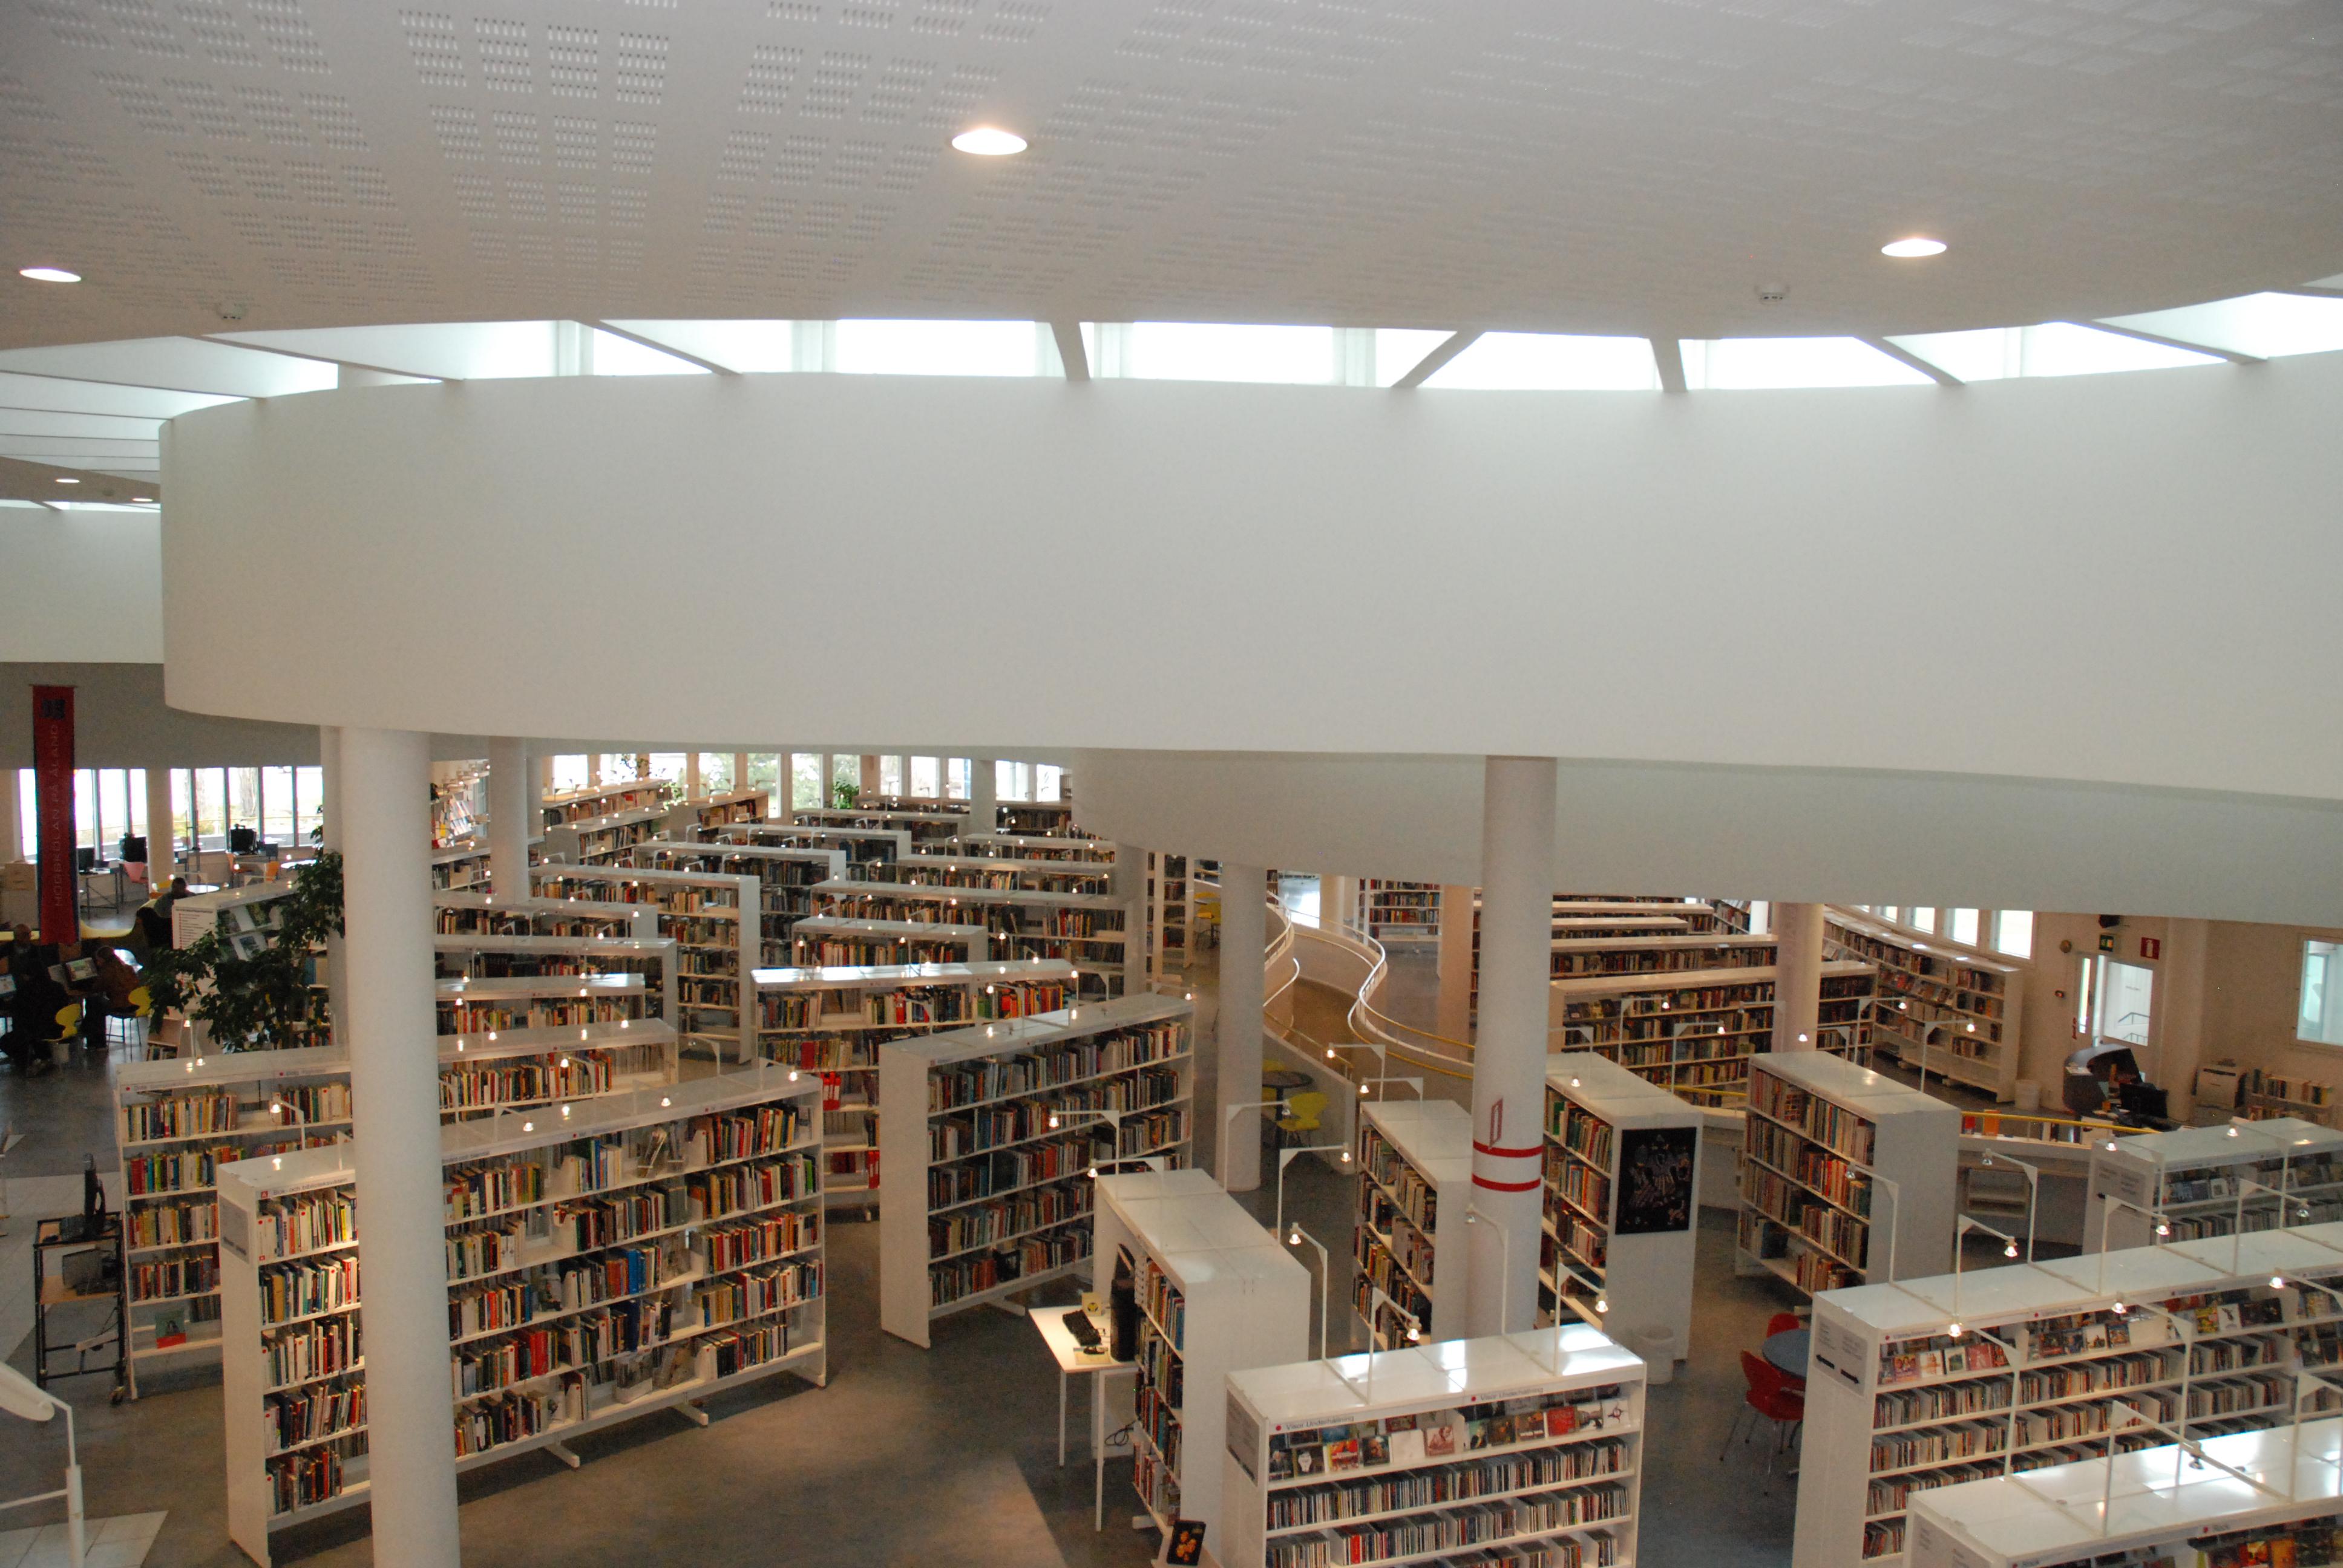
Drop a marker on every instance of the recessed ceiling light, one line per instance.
(1916, 246)
(62, 479)
(988, 142)
(49, 274)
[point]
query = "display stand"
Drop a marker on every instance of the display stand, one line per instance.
(1945, 1008)
(1216, 1294)
(1415, 1189)
(1622, 1169)
(2204, 1181)
(989, 1137)
(1846, 1177)
(1529, 1441)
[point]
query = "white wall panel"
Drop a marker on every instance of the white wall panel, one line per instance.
(85, 587)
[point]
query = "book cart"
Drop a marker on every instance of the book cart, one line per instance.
(990, 1137)
(636, 1254)
(1528, 1443)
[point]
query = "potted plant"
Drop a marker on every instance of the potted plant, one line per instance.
(251, 991)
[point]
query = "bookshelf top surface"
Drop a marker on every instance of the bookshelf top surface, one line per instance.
(602, 792)
(1935, 947)
(1437, 1376)
(724, 797)
(617, 819)
(1690, 979)
(2019, 1292)
(847, 886)
(1656, 924)
(835, 859)
(550, 873)
(490, 988)
(851, 816)
(231, 1067)
(2152, 1497)
(769, 830)
(1857, 1088)
(543, 1040)
(1043, 841)
(855, 926)
(498, 942)
(1007, 1037)
(1008, 863)
(1616, 1095)
(535, 904)
(871, 976)
(1198, 1232)
(1665, 942)
(1435, 1136)
(2255, 1141)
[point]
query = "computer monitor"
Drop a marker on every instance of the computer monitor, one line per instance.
(81, 971)
(2144, 1102)
(85, 860)
(8, 986)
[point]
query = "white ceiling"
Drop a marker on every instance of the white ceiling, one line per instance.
(1633, 165)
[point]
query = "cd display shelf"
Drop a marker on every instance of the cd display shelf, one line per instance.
(1216, 1294)
(923, 827)
(687, 817)
(999, 871)
(1171, 915)
(787, 875)
(1944, 1008)
(1414, 1188)
(654, 1249)
(557, 966)
(468, 914)
(2202, 1180)
(602, 801)
(1846, 1177)
(703, 912)
(1026, 847)
(2207, 1337)
(1526, 1446)
(176, 1122)
(1695, 1034)
(833, 1021)
(2258, 1498)
(860, 846)
(1047, 819)
(832, 941)
(990, 1138)
(604, 840)
(1399, 913)
(1621, 1224)
(1085, 929)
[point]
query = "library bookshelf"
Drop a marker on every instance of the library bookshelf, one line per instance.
(2204, 1181)
(1170, 914)
(602, 801)
(1933, 1383)
(860, 846)
(603, 840)
(1577, 920)
(1623, 1166)
(470, 914)
(713, 919)
(686, 816)
(1216, 1294)
(923, 827)
(998, 871)
(990, 1144)
(176, 1123)
(1696, 1033)
(1048, 819)
(1528, 1443)
(1415, 1187)
(701, 1199)
(1827, 1141)
(1025, 847)
(2255, 1498)
(786, 874)
(2267, 1096)
(1400, 913)
(501, 1071)
(468, 1007)
(461, 866)
(833, 1021)
(246, 917)
(1084, 929)
(1943, 1008)
(828, 942)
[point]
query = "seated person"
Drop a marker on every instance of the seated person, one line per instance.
(33, 1011)
(105, 995)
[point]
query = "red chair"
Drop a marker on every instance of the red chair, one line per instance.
(1783, 1323)
(1771, 1398)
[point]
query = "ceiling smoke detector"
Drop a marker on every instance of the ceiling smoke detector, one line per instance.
(1773, 292)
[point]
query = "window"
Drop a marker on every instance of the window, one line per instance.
(1197, 351)
(276, 823)
(956, 773)
(1921, 919)
(847, 769)
(1889, 911)
(938, 347)
(2013, 933)
(2127, 1000)
(765, 769)
(666, 765)
(244, 789)
(2087, 1000)
(309, 800)
(1012, 780)
(891, 776)
(805, 781)
(716, 773)
(1964, 926)
(183, 806)
(927, 777)
(1049, 783)
(1761, 917)
(2322, 1000)
(1549, 361)
(2269, 325)
(1750, 364)
(28, 818)
(568, 773)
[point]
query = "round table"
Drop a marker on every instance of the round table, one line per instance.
(1787, 1352)
(1284, 1079)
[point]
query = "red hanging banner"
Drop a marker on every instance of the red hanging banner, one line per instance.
(53, 797)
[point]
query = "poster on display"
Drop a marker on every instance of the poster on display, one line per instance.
(53, 797)
(1656, 1185)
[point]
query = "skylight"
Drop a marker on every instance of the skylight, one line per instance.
(1399, 349)
(1197, 351)
(617, 355)
(939, 347)
(1987, 354)
(747, 347)
(1551, 362)
(1754, 364)
(2063, 348)
(2267, 326)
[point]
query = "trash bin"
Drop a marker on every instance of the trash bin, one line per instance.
(2029, 1096)
(1658, 1349)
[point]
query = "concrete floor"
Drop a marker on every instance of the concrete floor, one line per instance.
(944, 1458)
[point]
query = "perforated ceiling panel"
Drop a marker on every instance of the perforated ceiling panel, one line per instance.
(1636, 164)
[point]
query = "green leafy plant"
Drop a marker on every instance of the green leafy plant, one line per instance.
(847, 795)
(257, 999)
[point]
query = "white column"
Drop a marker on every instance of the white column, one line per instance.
(1517, 832)
(1456, 962)
(828, 778)
(1338, 900)
(162, 847)
(2177, 1016)
(868, 781)
(1244, 931)
(1130, 885)
(1797, 975)
(593, 767)
(983, 796)
(691, 790)
(395, 1096)
(740, 770)
(513, 814)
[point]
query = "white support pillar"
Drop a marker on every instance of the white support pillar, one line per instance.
(1797, 975)
(593, 767)
(161, 841)
(395, 1096)
(828, 780)
(513, 815)
(983, 796)
(867, 781)
(740, 770)
(1517, 832)
(691, 790)
(1244, 934)
(1130, 885)
(1338, 900)
(1456, 962)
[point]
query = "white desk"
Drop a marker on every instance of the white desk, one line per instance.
(1074, 1361)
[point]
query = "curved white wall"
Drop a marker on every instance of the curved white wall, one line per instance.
(2127, 578)
(80, 586)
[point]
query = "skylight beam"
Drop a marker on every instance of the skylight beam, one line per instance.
(1070, 352)
(316, 358)
(2162, 340)
(1668, 355)
(657, 347)
(1424, 368)
(1935, 372)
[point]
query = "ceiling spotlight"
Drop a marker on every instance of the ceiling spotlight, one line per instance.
(1912, 248)
(59, 274)
(988, 142)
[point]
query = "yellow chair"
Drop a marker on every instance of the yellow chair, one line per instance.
(134, 1022)
(68, 1030)
(1303, 1113)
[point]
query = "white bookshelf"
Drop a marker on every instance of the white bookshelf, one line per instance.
(786, 874)
(501, 1071)
(1044, 819)
(727, 1169)
(539, 1002)
(1942, 1007)
(603, 840)
(1172, 892)
(459, 914)
(1415, 1186)
(176, 1122)
(829, 942)
(1846, 1177)
(1397, 913)
(714, 920)
(1621, 1224)
(2199, 1181)
(833, 1021)
(1592, 956)
(998, 871)
(1529, 1441)
(1217, 1294)
(248, 920)
(923, 827)
(561, 962)
(860, 846)
(2194, 1334)
(2258, 1497)
(1025, 847)
(1086, 929)
(981, 1197)
(602, 801)
(686, 816)
(1696, 1031)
